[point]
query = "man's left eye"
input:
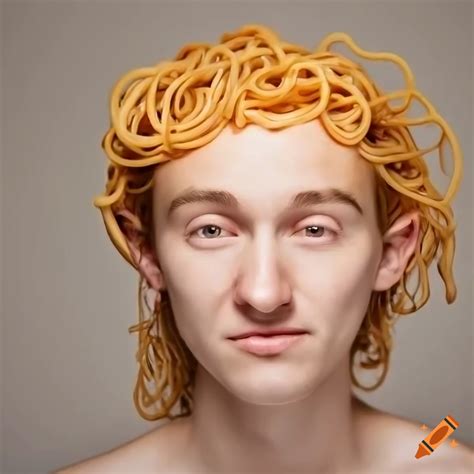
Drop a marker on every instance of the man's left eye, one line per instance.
(315, 230)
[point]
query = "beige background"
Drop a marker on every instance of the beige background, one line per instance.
(68, 367)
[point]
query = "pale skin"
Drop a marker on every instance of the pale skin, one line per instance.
(294, 412)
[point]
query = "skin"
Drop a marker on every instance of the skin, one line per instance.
(294, 412)
(267, 273)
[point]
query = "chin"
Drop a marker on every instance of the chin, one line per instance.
(271, 390)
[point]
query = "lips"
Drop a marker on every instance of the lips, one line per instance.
(270, 333)
(268, 345)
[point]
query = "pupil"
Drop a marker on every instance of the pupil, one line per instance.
(314, 227)
(212, 227)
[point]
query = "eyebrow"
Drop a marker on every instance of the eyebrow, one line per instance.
(299, 200)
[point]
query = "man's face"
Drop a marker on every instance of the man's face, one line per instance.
(263, 264)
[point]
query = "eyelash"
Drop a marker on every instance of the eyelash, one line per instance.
(306, 227)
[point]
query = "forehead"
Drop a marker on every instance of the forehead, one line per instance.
(256, 164)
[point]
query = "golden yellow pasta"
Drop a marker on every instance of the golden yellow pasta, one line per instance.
(158, 113)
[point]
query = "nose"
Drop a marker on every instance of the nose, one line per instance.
(262, 281)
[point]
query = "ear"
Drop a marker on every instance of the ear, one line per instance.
(143, 256)
(399, 243)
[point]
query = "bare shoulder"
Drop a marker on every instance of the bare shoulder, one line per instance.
(445, 459)
(391, 442)
(149, 453)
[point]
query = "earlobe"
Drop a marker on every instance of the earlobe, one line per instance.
(399, 244)
(147, 265)
(144, 259)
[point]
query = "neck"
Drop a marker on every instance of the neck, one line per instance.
(316, 433)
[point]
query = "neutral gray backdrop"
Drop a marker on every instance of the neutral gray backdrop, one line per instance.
(67, 358)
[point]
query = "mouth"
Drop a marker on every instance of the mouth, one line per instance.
(270, 333)
(265, 345)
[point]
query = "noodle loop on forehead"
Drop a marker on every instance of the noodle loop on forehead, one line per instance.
(252, 76)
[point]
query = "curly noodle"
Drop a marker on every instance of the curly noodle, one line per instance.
(252, 76)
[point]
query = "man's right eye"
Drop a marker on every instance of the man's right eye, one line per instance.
(213, 230)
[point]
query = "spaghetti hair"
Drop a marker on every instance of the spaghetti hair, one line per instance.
(161, 112)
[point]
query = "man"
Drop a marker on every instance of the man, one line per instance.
(251, 261)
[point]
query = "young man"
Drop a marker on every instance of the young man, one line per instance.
(288, 197)
(251, 257)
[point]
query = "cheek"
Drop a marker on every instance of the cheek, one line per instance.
(342, 270)
(346, 277)
(340, 293)
(194, 287)
(191, 324)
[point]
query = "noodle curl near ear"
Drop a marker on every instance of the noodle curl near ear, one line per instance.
(158, 113)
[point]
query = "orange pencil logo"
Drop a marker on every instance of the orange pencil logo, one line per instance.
(444, 429)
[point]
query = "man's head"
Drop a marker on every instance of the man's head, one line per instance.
(264, 264)
(335, 268)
